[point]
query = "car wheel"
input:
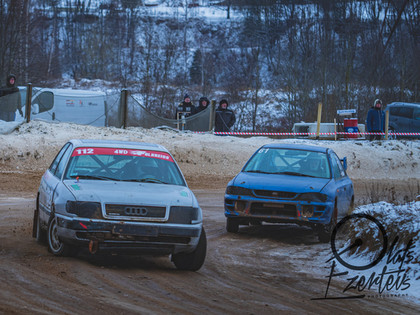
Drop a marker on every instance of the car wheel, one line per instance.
(39, 233)
(55, 245)
(324, 231)
(194, 260)
(232, 225)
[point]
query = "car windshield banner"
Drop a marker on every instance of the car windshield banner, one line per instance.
(115, 151)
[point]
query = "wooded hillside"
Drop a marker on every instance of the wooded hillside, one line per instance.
(293, 54)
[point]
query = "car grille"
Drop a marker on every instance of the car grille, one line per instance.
(275, 194)
(272, 209)
(135, 211)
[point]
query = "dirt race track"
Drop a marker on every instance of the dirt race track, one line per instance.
(261, 270)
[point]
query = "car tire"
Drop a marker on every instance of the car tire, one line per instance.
(232, 225)
(39, 233)
(34, 223)
(324, 231)
(55, 245)
(194, 260)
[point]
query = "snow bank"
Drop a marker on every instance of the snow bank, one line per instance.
(32, 147)
(7, 127)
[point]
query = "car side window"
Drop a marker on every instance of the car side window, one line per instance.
(57, 159)
(63, 161)
(406, 112)
(338, 168)
(394, 111)
(45, 101)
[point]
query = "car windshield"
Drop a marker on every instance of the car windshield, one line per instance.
(123, 165)
(289, 162)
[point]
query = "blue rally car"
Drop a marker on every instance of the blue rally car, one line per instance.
(290, 183)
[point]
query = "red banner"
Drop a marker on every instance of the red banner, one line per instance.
(117, 151)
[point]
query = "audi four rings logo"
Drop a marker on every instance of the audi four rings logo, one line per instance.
(136, 211)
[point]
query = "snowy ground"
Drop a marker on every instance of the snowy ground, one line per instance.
(206, 153)
(213, 160)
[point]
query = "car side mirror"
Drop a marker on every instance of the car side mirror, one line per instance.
(344, 162)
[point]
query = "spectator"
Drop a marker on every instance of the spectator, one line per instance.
(203, 103)
(185, 109)
(10, 100)
(375, 121)
(225, 118)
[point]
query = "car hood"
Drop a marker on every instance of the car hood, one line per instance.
(276, 182)
(131, 193)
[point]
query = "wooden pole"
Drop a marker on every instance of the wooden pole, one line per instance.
(124, 107)
(318, 122)
(386, 124)
(28, 102)
(335, 129)
(212, 114)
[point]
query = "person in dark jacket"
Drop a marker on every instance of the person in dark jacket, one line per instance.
(375, 121)
(225, 118)
(203, 103)
(185, 109)
(10, 100)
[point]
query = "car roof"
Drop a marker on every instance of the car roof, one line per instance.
(117, 144)
(404, 104)
(293, 146)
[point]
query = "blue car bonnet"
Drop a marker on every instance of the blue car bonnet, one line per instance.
(280, 182)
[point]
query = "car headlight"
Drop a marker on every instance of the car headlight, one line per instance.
(84, 209)
(313, 197)
(183, 215)
(235, 190)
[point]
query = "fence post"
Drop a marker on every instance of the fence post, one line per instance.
(28, 102)
(318, 121)
(386, 124)
(335, 129)
(212, 115)
(124, 107)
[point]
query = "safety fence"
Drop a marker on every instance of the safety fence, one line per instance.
(133, 114)
(123, 110)
(119, 110)
(350, 134)
(66, 105)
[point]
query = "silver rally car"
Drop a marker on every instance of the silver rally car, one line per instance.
(119, 196)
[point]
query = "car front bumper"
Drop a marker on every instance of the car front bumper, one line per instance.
(247, 209)
(129, 237)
